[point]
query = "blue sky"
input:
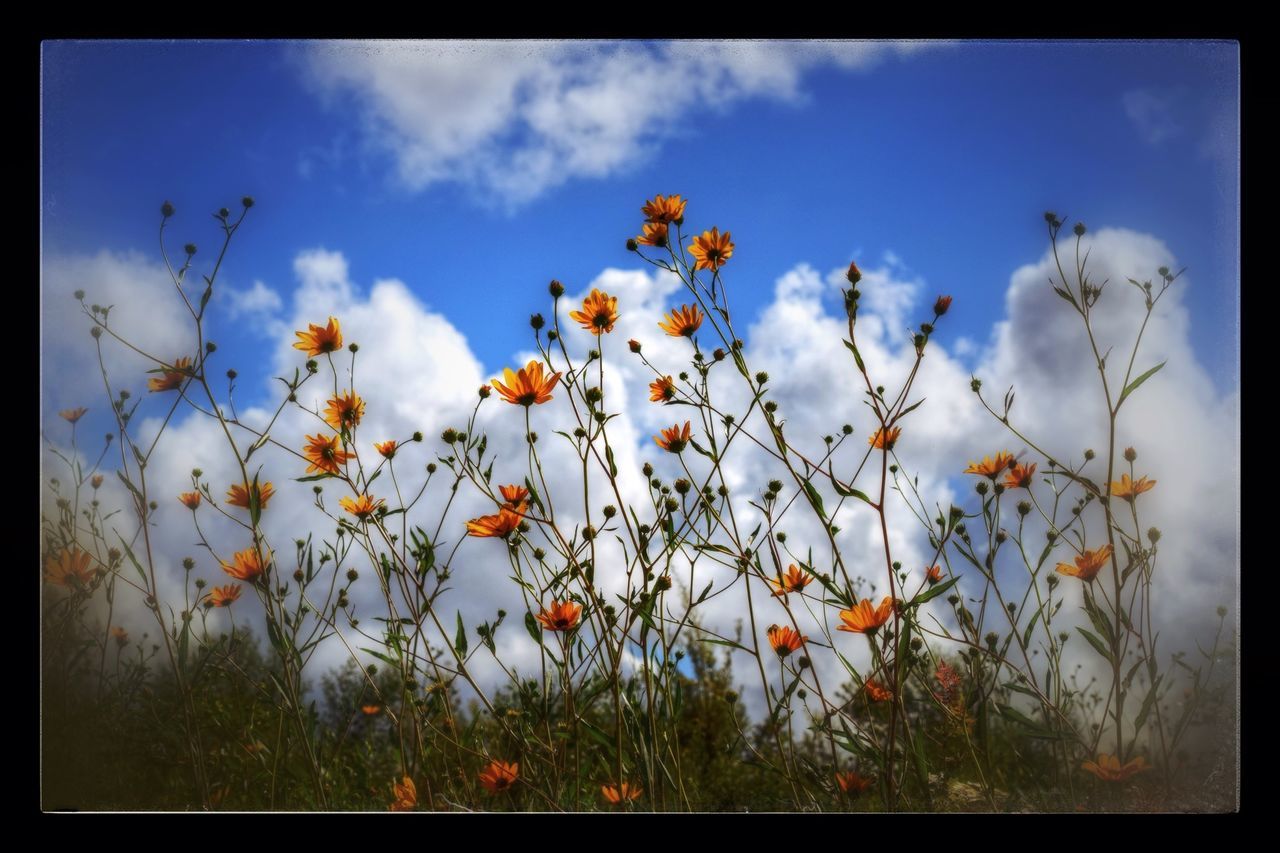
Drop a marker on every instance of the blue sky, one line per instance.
(945, 157)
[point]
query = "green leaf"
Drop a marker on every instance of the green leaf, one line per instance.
(1146, 706)
(534, 496)
(857, 357)
(934, 592)
(706, 590)
(313, 478)
(1098, 646)
(460, 641)
(815, 499)
(133, 559)
(531, 625)
(255, 502)
(843, 492)
(1133, 386)
(380, 656)
(702, 450)
(729, 643)
(613, 468)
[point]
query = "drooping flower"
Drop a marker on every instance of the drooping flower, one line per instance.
(682, 322)
(69, 567)
(500, 524)
(664, 209)
(245, 565)
(1109, 769)
(851, 783)
(560, 616)
(190, 500)
(1087, 564)
(662, 390)
(655, 234)
(599, 312)
(172, 377)
(794, 580)
(885, 439)
(362, 507)
(1019, 476)
(325, 454)
(239, 495)
(785, 640)
(513, 495)
(499, 776)
(711, 249)
(386, 448)
(876, 691)
(618, 793)
(933, 574)
(344, 411)
(72, 415)
(406, 795)
(865, 619)
(675, 439)
(991, 467)
(527, 386)
(223, 596)
(318, 340)
(1128, 489)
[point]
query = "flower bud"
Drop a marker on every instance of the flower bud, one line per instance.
(231, 373)
(536, 321)
(1130, 454)
(556, 288)
(190, 249)
(942, 305)
(853, 274)
(762, 378)
(634, 345)
(632, 245)
(1079, 229)
(247, 201)
(610, 511)
(166, 210)
(96, 332)
(1154, 535)
(1089, 454)
(553, 335)
(79, 294)
(719, 354)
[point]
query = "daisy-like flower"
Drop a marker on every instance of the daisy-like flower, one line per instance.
(318, 340)
(362, 507)
(1019, 476)
(513, 495)
(560, 616)
(675, 439)
(72, 415)
(239, 495)
(599, 312)
(1129, 489)
(244, 566)
(991, 467)
(885, 439)
(1087, 564)
(662, 390)
(794, 580)
(68, 567)
(1109, 769)
(371, 710)
(325, 454)
(223, 596)
(933, 574)
(655, 234)
(664, 209)
(619, 793)
(386, 448)
(190, 500)
(785, 640)
(406, 793)
(711, 249)
(865, 619)
(344, 411)
(527, 386)
(852, 783)
(499, 776)
(876, 691)
(172, 377)
(682, 322)
(500, 524)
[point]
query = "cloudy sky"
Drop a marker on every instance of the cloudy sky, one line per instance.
(426, 194)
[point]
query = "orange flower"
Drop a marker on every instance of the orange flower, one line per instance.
(95, 480)
(526, 387)
(386, 448)
(190, 500)
(674, 439)
(663, 209)
(682, 322)
(852, 783)
(222, 596)
(711, 249)
(1108, 767)
(1087, 564)
(69, 567)
(245, 565)
(990, 467)
(370, 710)
(785, 640)
(120, 634)
(1130, 489)
(513, 495)
(172, 377)
(562, 616)
(499, 776)
(793, 581)
(500, 524)
(1019, 476)
(599, 312)
(877, 692)
(326, 454)
(362, 507)
(318, 340)
(941, 305)
(72, 415)
(239, 495)
(885, 439)
(406, 793)
(655, 234)
(617, 793)
(865, 619)
(345, 411)
(933, 574)
(662, 390)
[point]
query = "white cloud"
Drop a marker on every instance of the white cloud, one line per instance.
(1152, 112)
(515, 119)
(258, 303)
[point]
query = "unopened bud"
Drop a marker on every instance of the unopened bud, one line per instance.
(556, 288)
(853, 274)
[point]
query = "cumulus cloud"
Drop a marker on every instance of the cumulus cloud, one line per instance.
(258, 303)
(515, 119)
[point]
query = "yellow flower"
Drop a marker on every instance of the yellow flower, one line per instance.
(655, 234)
(674, 439)
(386, 448)
(1019, 476)
(325, 454)
(663, 390)
(239, 495)
(1109, 769)
(499, 776)
(344, 411)
(69, 567)
(711, 249)
(526, 387)
(318, 340)
(599, 312)
(1129, 489)
(885, 439)
(72, 415)
(865, 619)
(222, 596)
(664, 209)
(172, 377)
(793, 581)
(617, 793)
(362, 507)
(682, 322)
(190, 500)
(1087, 564)
(406, 794)
(561, 616)
(785, 640)
(991, 467)
(500, 524)
(244, 566)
